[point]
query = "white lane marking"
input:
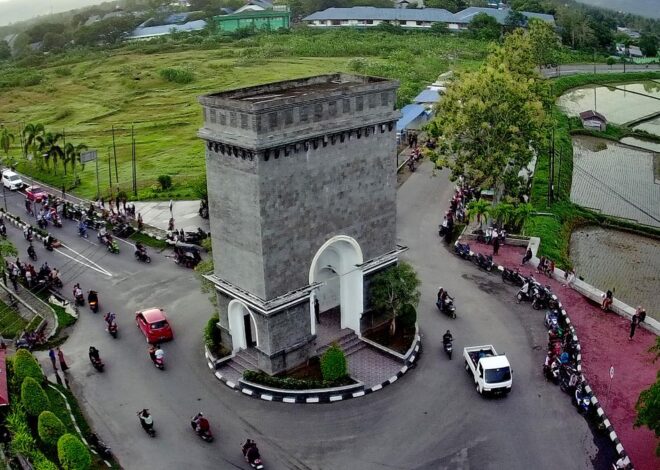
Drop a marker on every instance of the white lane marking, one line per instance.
(90, 264)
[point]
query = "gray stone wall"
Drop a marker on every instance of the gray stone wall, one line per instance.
(348, 188)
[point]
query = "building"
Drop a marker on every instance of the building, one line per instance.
(256, 5)
(428, 97)
(149, 32)
(302, 200)
(593, 120)
(418, 18)
(257, 19)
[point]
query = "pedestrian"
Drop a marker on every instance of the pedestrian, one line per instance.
(170, 224)
(641, 314)
(496, 246)
(570, 277)
(117, 201)
(317, 311)
(123, 203)
(527, 257)
(140, 223)
(633, 325)
(51, 355)
(14, 282)
(60, 356)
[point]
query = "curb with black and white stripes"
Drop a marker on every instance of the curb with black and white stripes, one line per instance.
(75, 424)
(313, 398)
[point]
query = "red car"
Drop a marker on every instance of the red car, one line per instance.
(154, 325)
(35, 193)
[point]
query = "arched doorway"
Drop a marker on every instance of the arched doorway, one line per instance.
(242, 327)
(336, 266)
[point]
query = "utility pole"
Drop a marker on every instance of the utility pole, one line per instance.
(114, 151)
(98, 186)
(134, 160)
(594, 61)
(109, 172)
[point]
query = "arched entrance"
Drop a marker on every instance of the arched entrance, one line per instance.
(242, 327)
(335, 265)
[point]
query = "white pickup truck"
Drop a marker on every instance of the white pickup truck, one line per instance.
(492, 372)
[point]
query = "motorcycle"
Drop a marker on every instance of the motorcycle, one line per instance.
(3, 230)
(113, 247)
(42, 223)
(551, 320)
(112, 329)
(462, 250)
(97, 363)
(447, 308)
(568, 378)
(147, 423)
(123, 230)
(251, 454)
(205, 435)
(28, 234)
(484, 262)
(411, 165)
(31, 253)
(541, 297)
(142, 256)
(582, 400)
(158, 360)
(80, 299)
(57, 222)
(104, 451)
(551, 370)
(93, 299)
(192, 237)
(525, 292)
(448, 348)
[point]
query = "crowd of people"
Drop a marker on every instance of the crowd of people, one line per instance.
(457, 211)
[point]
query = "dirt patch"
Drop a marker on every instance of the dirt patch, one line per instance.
(400, 342)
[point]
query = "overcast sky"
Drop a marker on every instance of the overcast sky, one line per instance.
(17, 10)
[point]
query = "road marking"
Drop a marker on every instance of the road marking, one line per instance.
(90, 264)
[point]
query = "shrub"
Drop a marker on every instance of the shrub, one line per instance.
(177, 75)
(40, 462)
(72, 453)
(25, 365)
(333, 364)
(407, 317)
(165, 182)
(290, 383)
(33, 397)
(212, 333)
(62, 71)
(50, 428)
(22, 442)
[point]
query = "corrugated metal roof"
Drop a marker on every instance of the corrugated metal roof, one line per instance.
(409, 113)
(427, 96)
(465, 16)
(166, 28)
(389, 14)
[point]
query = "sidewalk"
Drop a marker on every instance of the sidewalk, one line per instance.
(186, 215)
(604, 341)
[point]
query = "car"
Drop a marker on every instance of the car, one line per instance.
(153, 324)
(35, 193)
(11, 180)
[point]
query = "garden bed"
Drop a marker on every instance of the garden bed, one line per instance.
(400, 342)
(11, 323)
(307, 377)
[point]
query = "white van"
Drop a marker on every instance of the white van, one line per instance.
(11, 180)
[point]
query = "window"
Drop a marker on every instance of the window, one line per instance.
(257, 123)
(244, 121)
(346, 104)
(369, 21)
(304, 114)
(318, 112)
(335, 22)
(502, 374)
(359, 103)
(232, 119)
(213, 116)
(372, 100)
(288, 116)
(272, 121)
(384, 98)
(332, 108)
(223, 119)
(158, 325)
(419, 23)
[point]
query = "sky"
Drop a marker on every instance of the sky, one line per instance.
(18, 10)
(649, 8)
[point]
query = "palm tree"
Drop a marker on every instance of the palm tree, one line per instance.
(478, 209)
(32, 140)
(6, 139)
(502, 212)
(521, 213)
(51, 148)
(72, 154)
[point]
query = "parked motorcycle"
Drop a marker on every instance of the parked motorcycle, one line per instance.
(541, 296)
(484, 262)
(123, 230)
(525, 292)
(568, 378)
(582, 399)
(462, 250)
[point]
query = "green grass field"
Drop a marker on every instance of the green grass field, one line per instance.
(86, 94)
(11, 323)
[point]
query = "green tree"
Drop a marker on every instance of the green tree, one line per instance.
(484, 26)
(33, 397)
(502, 212)
(72, 454)
(32, 141)
(393, 288)
(515, 19)
(51, 148)
(544, 42)
(50, 428)
(521, 214)
(451, 5)
(648, 403)
(25, 365)
(6, 139)
(648, 44)
(333, 364)
(53, 41)
(5, 50)
(478, 210)
(439, 28)
(72, 155)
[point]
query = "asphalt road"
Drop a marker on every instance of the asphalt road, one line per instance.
(432, 418)
(573, 69)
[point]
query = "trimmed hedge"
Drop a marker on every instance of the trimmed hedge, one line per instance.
(50, 428)
(72, 453)
(25, 365)
(289, 383)
(212, 333)
(33, 397)
(333, 364)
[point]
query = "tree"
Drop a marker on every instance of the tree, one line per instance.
(6, 249)
(439, 28)
(50, 428)
(522, 213)
(648, 403)
(6, 139)
(51, 148)
(72, 453)
(515, 19)
(72, 154)
(478, 209)
(25, 365)
(32, 134)
(451, 5)
(333, 364)
(484, 26)
(5, 50)
(53, 42)
(502, 212)
(648, 44)
(544, 42)
(33, 397)
(393, 288)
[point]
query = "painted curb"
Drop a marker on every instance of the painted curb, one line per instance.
(283, 396)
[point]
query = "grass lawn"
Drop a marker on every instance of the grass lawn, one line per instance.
(11, 323)
(148, 241)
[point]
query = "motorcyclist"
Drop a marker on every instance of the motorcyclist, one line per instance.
(202, 425)
(54, 275)
(27, 233)
(93, 296)
(443, 295)
(30, 251)
(159, 353)
(3, 228)
(94, 354)
(152, 353)
(146, 420)
(250, 451)
(48, 242)
(78, 293)
(110, 318)
(447, 337)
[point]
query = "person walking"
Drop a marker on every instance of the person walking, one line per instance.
(60, 356)
(496, 246)
(51, 355)
(633, 325)
(317, 311)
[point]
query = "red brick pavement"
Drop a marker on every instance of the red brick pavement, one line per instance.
(604, 341)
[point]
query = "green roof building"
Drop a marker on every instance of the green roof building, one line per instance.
(266, 19)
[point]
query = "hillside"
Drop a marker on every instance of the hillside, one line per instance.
(12, 11)
(647, 8)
